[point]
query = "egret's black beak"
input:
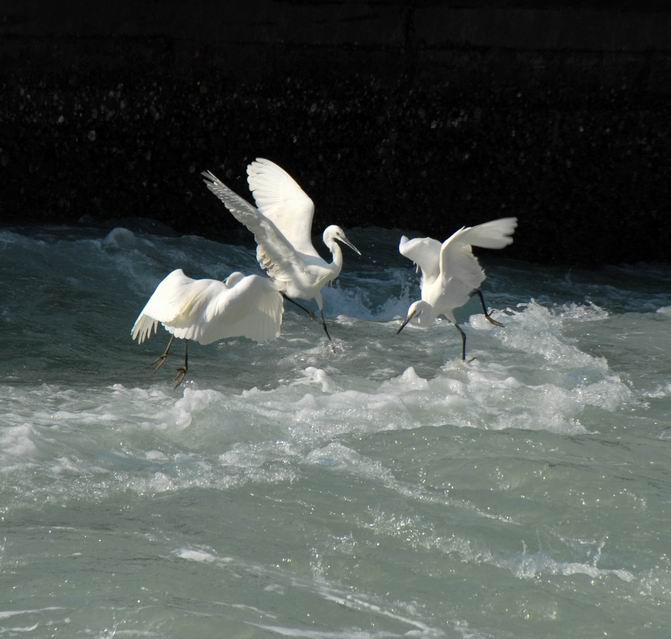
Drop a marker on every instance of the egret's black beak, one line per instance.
(407, 319)
(344, 240)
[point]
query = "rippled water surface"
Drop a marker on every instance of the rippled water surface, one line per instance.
(382, 490)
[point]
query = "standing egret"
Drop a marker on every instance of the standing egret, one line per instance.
(281, 226)
(209, 310)
(450, 271)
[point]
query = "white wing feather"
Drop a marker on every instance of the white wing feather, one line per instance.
(253, 309)
(163, 305)
(456, 257)
(281, 200)
(425, 253)
(496, 234)
(274, 252)
(208, 310)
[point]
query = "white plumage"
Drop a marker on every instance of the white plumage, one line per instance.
(450, 271)
(280, 199)
(281, 226)
(209, 310)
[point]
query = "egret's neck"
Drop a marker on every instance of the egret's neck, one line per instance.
(336, 251)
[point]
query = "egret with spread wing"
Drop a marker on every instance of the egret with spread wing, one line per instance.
(450, 271)
(209, 310)
(281, 223)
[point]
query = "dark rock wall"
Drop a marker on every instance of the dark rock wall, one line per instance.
(406, 114)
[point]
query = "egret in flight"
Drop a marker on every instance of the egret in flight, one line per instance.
(209, 310)
(281, 223)
(450, 271)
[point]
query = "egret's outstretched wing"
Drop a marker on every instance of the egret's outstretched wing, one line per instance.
(163, 306)
(275, 253)
(425, 253)
(280, 199)
(456, 257)
(208, 310)
(496, 234)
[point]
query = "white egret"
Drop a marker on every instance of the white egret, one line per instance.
(209, 310)
(281, 226)
(450, 271)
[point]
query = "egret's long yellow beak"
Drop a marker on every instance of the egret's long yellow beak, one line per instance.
(407, 319)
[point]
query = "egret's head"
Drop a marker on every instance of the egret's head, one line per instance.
(334, 232)
(419, 311)
(233, 279)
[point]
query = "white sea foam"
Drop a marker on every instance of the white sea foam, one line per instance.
(316, 404)
(525, 565)
(406, 614)
(530, 566)
(575, 312)
(120, 238)
(201, 555)
(337, 457)
(537, 330)
(357, 296)
(361, 483)
(6, 614)
(17, 447)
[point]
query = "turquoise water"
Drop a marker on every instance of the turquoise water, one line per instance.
(286, 490)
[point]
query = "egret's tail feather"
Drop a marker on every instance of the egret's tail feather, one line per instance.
(192, 332)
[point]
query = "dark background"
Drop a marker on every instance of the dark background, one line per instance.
(416, 114)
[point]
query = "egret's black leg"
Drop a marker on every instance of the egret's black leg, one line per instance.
(326, 330)
(182, 370)
(311, 315)
(157, 363)
(463, 342)
(488, 317)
